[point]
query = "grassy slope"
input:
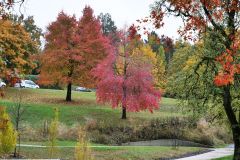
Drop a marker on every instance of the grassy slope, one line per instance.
(39, 107)
(39, 104)
(225, 158)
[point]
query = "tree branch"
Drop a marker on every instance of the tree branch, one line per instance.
(210, 18)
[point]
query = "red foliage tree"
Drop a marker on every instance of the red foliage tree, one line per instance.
(125, 79)
(221, 16)
(72, 50)
(94, 46)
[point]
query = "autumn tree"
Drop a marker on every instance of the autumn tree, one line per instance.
(125, 78)
(60, 57)
(160, 64)
(72, 50)
(182, 79)
(35, 33)
(15, 44)
(8, 136)
(192, 82)
(93, 45)
(222, 17)
(160, 69)
(161, 41)
(30, 26)
(157, 61)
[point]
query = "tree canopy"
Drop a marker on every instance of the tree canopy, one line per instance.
(15, 48)
(72, 50)
(222, 17)
(125, 77)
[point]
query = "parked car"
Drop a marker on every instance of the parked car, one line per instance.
(26, 84)
(82, 89)
(2, 84)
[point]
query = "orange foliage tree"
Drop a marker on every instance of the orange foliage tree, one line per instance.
(72, 50)
(15, 52)
(221, 16)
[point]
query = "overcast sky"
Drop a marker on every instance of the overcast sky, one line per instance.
(122, 11)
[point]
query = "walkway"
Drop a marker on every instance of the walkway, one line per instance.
(216, 153)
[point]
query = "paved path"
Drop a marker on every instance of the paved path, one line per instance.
(216, 153)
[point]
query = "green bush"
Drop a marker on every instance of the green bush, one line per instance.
(97, 137)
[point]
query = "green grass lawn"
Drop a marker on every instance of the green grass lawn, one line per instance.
(39, 104)
(113, 153)
(103, 152)
(225, 158)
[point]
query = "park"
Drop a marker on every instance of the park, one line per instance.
(85, 82)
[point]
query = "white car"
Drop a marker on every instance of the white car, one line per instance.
(26, 84)
(82, 89)
(2, 84)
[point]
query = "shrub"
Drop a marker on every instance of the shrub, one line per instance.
(98, 137)
(68, 132)
(53, 133)
(183, 128)
(82, 149)
(8, 136)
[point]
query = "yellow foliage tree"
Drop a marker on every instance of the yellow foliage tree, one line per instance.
(8, 136)
(158, 62)
(160, 69)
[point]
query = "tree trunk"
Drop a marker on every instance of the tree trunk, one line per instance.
(15, 152)
(124, 113)
(69, 92)
(124, 87)
(124, 108)
(237, 147)
(17, 121)
(227, 103)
